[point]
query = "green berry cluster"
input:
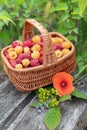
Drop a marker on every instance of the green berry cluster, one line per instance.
(48, 97)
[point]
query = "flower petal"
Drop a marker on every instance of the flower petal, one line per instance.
(60, 78)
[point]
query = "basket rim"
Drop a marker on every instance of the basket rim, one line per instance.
(6, 62)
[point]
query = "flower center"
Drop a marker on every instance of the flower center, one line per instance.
(63, 84)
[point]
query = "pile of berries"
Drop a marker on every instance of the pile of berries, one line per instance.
(30, 52)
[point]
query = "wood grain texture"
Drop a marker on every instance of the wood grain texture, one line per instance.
(11, 103)
(16, 113)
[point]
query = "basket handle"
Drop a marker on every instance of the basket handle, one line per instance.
(49, 56)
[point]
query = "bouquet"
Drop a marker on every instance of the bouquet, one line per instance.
(50, 98)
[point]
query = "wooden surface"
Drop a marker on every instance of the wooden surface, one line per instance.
(16, 113)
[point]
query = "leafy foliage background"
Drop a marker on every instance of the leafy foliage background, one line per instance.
(69, 17)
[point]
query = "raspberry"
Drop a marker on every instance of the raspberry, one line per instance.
(66, 45)
(58, 54)
(58, 47)
(24, 56)
(18, 66)
(41, 60)
(25, 62)
(41, 38)
(41, 44)
(59, 40)
(12, 55)
(65, 51)
(21, 56)
(53, 40)
(34, 62)
(35, 55)
(36, 48)
(15, 43)
(36, 39)
(27, 43)
(10, 49)
(18, 60)
(41, 53)
(27, 50)
(12, 63)
(56, 40)
(18, 49)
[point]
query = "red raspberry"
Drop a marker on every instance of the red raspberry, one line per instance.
(41, 60)
(41, 38)
(41, 44)
(27, 43)
(18, 60)
(15, 43)
(34, 62)
(13, 63)
(58, 47)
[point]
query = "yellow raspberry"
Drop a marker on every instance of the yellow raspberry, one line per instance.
(18, 66)
(59, 40)
(12, 55)
(18, 49)
(36, 39)
(53, 39)
(25, 62)
(56, 40)
(65, 51)
(27, 50)
(58, 53)
(10, 49)
(35, 55)
(36, 48)
(66, 45)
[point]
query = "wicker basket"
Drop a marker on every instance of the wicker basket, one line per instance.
(29, 79)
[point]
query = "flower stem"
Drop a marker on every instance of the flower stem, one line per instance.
(76, 76)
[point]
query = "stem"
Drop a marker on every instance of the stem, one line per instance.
(76, 76)
(80, 79)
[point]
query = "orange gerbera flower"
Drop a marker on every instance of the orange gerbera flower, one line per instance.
(62, 82)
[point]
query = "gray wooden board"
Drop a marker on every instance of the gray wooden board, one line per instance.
(16, 113)
(11, 103)
(3, 77)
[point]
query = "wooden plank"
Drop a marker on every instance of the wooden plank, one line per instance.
(20, 116)
(28, 119)
(3, 77)
(82, 121)
(11, 102)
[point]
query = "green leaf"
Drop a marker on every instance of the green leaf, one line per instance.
(52, 118)
(4, 36)
(35, 104)
(60, 6)
(78, 94)
(77, 75)
(82, 6)
(3, 17)
(64, 98)
(70, 23)
(62, 29)
(75, 30)
(64, 16)
(72, 38)
(1, 25)
(80, 62)
(47, 9)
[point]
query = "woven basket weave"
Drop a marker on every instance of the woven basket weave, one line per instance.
(29, 79)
